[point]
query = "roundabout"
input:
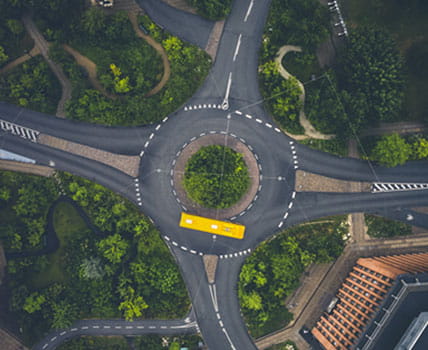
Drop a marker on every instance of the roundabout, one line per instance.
(271, 167)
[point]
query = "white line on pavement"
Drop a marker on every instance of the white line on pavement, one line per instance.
(238, 44)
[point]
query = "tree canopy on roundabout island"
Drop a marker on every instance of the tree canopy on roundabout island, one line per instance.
(216, 177)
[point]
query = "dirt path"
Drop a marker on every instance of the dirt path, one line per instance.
(158, 47)
(90, 67)
(310, 131)
(43, 46)
(24, 58)
(398, 127)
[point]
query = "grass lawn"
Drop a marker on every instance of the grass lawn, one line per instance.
(301, 65)
(407, 24)
(67, 223)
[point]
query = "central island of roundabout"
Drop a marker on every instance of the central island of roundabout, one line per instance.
(260, 207)
(215, 177)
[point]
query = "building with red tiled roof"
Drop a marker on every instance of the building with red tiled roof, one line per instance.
(360, 296)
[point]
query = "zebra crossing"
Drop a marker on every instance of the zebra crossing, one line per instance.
(378, 187)
(18, 130)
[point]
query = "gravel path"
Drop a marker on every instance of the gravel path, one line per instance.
(159, 48)
(310, 131)
(24, 58)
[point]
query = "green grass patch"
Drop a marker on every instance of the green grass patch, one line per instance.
(67, 223)
(288, 345)
(381, 227)
(302, 65)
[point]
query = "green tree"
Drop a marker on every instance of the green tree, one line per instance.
(64, 315)
(420, 148)
(34, 302)
(132, 305)
(216, 177)
(113, 248)
(391, 150)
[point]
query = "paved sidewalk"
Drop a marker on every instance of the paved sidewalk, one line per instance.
(27, 168)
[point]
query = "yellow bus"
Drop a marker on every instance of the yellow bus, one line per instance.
(216, 227)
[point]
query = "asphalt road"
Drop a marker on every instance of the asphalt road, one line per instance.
(229, 104)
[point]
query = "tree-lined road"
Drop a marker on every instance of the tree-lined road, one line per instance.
(228, 104)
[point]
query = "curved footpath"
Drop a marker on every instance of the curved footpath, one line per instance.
(24, 58)
(160, 50)
(310, 131)
(43, 46)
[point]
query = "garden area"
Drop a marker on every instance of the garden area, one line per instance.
(111, 261)
(216, 177)
(273, 271)
(128, 68)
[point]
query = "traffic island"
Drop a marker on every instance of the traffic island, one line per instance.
(221, 140)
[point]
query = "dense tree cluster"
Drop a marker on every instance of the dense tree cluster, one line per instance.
(291, 22)
(31, 85)
(392, 150)
(24, 204)
(130, 67)
(296, 22)
(282, 97)
(216, 177)
(273, 271)
(212, 9)
(371, 74)
(123, 269)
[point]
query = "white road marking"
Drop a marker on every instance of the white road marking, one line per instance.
(53, 339)
(213, 294)
(249, 10)
(293, 195)
(62, 333)
(238, 44)
(290, 205)
(85, 327)
(140, 327)
(45, 346)
(75, 329)
(107, 327)
(225, 104)
(228, 338)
